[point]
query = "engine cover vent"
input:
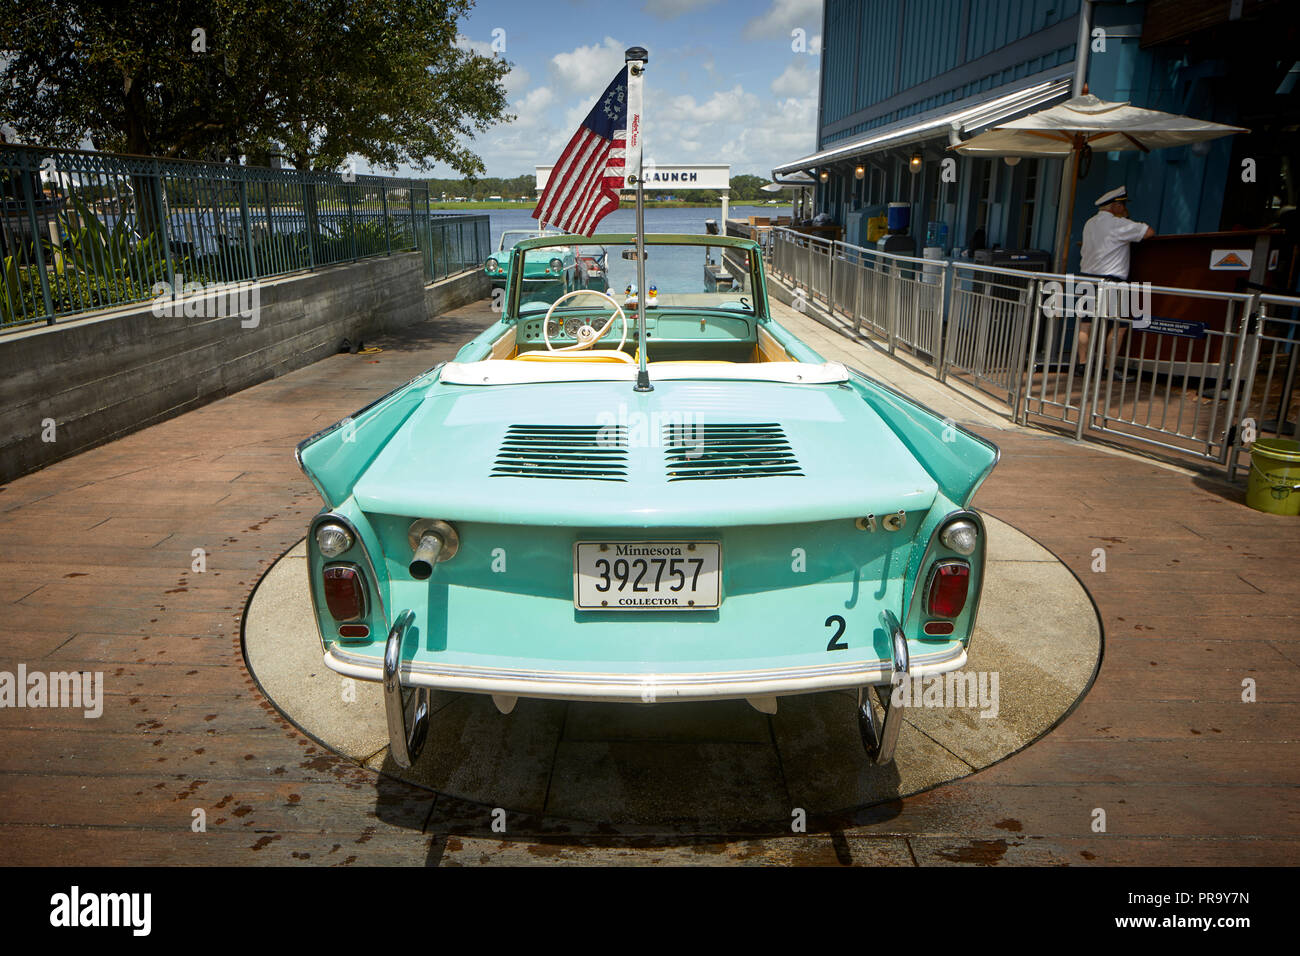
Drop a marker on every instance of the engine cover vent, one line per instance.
(701, 452)
(572, 452)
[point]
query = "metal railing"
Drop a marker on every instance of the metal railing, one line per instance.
(1268, 394)
(82, 231)
(1191, 372)
(987, 328)
(1170, 390)
(898, 298)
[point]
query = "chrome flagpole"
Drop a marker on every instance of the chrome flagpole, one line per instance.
(636, 58)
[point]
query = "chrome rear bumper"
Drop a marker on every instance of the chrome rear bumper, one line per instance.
(404, 745)
(408, 714)
(880, 733)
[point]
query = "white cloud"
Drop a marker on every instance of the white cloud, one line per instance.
(782, 17)
(776, 136)
(481, 47)
(516, 81)
(768, 119)
(752, 132)
(588, 69)
(798, 80)
(722, 106)
(537, 99)
(669, 9)
(530, 109)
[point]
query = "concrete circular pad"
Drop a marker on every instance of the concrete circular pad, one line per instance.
(717, 763)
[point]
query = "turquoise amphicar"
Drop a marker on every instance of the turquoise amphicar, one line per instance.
(550, 271)
(524, 522)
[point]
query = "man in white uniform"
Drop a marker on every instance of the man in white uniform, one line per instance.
(1105, 253)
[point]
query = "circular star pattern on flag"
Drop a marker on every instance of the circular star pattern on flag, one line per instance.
(611, 110)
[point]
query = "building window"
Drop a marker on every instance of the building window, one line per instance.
(877, 194)
(984, 196)
(1029, 204)
(983, 201)
(936, 197)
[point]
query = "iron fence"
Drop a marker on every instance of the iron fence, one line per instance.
(81, 231)
(1187, 372)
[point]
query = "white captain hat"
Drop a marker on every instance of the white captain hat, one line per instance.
(1115, 195)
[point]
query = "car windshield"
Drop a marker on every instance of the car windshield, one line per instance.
(676, 276)
(511, 236)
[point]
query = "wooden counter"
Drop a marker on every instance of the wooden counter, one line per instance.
(1193, 329)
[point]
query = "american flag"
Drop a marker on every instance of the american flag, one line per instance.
(584, 184)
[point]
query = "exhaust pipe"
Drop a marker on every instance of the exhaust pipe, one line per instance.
(431, 541)
(426, 556)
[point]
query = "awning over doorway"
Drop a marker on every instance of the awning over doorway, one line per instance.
(966, 118)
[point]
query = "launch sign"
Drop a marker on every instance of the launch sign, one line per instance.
(670, 177)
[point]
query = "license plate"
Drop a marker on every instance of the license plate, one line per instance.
(647, 575)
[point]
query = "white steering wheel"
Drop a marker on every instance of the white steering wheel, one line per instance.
(587, 336)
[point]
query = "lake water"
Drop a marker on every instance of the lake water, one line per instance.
(676, 271)
(660, 219)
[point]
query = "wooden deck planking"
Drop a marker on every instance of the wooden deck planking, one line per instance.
(1186, 772)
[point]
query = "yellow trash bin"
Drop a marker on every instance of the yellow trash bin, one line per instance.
(1274, 484)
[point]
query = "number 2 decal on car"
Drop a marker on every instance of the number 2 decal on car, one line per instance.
(835, 644)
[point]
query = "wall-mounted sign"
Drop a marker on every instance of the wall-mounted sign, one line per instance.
(1231, 260)
(670, 177)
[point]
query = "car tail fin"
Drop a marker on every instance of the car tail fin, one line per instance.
(956, 459)
(335, 458)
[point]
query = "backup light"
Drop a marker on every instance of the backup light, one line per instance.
(962, 536)
(333, 539)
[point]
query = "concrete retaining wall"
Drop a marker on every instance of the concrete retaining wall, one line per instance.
(459, 290)
(100, 377)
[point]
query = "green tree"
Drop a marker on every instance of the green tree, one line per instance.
(219, 79)
(746, 187)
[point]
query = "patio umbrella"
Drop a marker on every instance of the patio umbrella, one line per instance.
(796, 180)
(1084, 124)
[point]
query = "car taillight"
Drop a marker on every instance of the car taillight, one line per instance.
(949, 583)
(345, 591)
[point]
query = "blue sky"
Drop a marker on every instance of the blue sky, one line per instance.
(724, 83)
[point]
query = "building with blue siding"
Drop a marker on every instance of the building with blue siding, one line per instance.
(902, 80)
